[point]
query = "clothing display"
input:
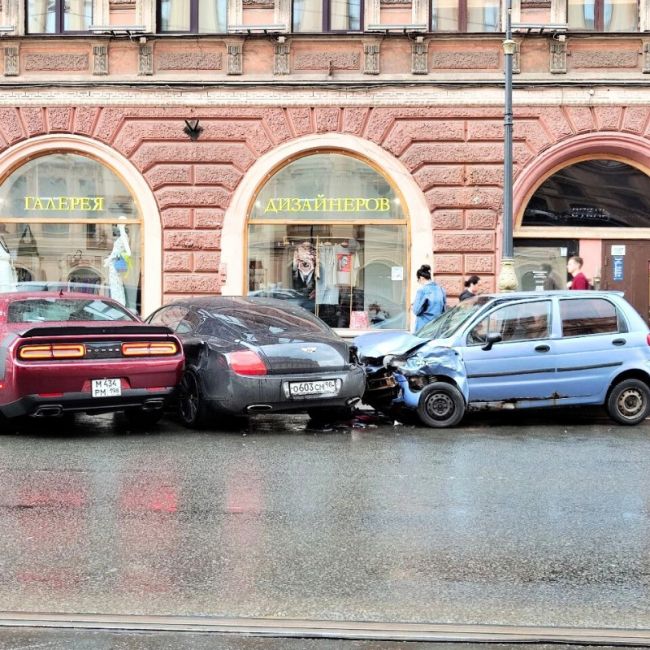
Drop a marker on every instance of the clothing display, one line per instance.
(327, 291)
(7, 271)
(116, 263)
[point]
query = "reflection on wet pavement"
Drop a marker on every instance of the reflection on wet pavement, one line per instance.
(520, 523)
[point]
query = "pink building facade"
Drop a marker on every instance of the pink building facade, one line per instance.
(323, 167)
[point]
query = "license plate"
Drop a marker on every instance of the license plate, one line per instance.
(319, 387)
(106, 387)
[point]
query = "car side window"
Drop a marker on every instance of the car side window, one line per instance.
(587, 316)
(169, 316)
(189, 324)
(518, 322)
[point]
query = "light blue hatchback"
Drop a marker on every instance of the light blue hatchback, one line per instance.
(517, 350)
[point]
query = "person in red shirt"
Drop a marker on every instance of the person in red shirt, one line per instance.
(574, 267)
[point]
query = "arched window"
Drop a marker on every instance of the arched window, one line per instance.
(329, 232)
(72, 222)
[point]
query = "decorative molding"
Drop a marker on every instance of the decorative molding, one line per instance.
(235, 12)
(558, 52)
(420, 56)
(371, 58)
(604, 59)
(281, 57)
(145, 14)
(265, 4)
(282, 14)
(145, 59)
(122, 3)
(235, 58)
(646, 58)
(12, 61)
(327, 61)
(100, 59)
(372, 13)
(467, 60)
(535, 4)
(420, 12)
(45, 62)
(189, 60)
(516, 59)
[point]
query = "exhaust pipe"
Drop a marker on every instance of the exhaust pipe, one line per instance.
(50, 411)
(153, 404)
(259, 408)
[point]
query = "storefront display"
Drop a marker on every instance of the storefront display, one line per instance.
(69, 222)
(328, 232)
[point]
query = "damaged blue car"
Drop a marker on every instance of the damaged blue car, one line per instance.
(512, 351)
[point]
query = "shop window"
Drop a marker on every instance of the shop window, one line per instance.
(465, 15)
(603, 15)
(587, 316)
(593, 193)
(68, 222)
(58, 16)
(193, 16)
(327, 15)
(328, 232)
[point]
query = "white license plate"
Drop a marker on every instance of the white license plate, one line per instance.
(106, 387)
(319, 387)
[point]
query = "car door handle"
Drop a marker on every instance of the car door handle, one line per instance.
(619, 342)
(542, 348)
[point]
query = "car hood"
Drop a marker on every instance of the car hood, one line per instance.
(379, 344)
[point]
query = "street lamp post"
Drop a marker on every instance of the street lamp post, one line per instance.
(507, 276)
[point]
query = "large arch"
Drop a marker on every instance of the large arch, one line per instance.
(236, 217)
(16, 155)
(625, 147)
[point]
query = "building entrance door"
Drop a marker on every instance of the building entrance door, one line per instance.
(626, 267)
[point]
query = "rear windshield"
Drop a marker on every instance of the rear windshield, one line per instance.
(260, 320)
(57, 310)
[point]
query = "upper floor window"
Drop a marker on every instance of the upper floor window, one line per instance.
(603, 15)
(465, 15)
(327, 15)
(194, 16)
(57, 16)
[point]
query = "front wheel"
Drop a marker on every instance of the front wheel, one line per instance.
(629, 402)
(192, 409)
(441, 405)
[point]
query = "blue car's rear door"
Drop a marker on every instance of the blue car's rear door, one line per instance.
(522, 365)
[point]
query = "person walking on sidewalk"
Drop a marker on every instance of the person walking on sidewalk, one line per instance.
(579, 281)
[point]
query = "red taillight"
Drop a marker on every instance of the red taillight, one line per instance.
(149, 349)
(648, 339)
(52, 351)
(246, 362)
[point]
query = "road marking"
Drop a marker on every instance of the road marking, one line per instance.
(330, 629)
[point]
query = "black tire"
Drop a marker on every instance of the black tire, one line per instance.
(143, 419)
(441, 405)
(629, 402)
(192, 409)
(331, 414)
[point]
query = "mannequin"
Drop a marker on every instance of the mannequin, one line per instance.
(116, 263)
(7, 271)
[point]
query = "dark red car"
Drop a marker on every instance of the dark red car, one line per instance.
(74, 352)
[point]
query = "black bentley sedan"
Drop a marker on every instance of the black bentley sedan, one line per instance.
(253, 355)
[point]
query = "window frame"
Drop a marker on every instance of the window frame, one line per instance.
(621, 322)
(599, 19)
(462, 20)
(326, 20)
(59, 20)
(194, 20)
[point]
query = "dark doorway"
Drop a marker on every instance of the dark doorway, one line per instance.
(626, 267)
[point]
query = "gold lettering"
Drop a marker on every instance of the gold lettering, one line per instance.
(27, 198)
(306, 206)
(370, 208)
(85, 204)
(75, 201)
(349, 205)
(63, 203)
(270, 206)
(50, 205)
(295, 205)
(284, 204)
(361, 204)
(319, 203)
(38, 204)
(99, 204)
(384, 204)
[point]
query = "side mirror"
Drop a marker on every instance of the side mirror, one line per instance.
(491, 340)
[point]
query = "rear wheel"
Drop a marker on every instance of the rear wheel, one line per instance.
(441, 405)
(192, 409)
(629, 402)
(140, 418)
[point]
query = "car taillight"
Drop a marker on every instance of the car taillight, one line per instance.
(149, 349)
(52, 351)
(246, 362)
(648, 339)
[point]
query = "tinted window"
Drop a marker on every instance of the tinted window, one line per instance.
(169, 316)
(588, 316)
(258, 320)
(518, 322)
(52, 310)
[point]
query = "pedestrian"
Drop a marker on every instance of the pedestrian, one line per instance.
(430, 298)
(574, 267)
(471, 287)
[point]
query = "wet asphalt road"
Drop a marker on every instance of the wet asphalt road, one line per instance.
(528, 521)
